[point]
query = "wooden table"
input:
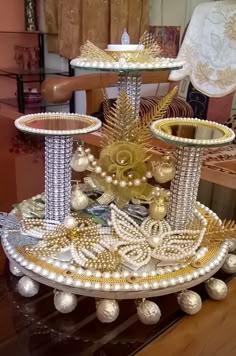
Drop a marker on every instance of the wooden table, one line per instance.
(209, 333)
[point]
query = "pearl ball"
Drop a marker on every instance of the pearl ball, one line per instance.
(70, 222)
(108, 179)
(137, 182)
(15, 270)
(216, 289)
(149, 174)
(229, 265)
(98, 169)
(122, 183)
(155, 240)
(107, 310)
(232, 245)
(90, 158)
(27, 287)
(148, 312)
(190, 302)
(65, 302)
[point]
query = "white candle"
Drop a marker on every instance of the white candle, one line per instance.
(125, 47)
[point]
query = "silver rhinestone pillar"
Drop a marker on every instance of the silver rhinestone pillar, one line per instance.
(58, 152)
(131, 84)
(184, 187)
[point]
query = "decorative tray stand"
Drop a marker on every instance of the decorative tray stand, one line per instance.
(136, 240)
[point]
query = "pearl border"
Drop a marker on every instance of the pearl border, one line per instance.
(20, 124)
(178, 281)
(186, 141)
(160, 63)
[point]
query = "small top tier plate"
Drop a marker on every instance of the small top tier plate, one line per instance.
(125, 66)
(191, 132)
(57, 124)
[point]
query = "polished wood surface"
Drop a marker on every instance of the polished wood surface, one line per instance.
(208, 333)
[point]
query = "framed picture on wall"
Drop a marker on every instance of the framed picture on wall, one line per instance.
(168, 38)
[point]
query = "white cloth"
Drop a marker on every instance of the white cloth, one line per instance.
(209, 49)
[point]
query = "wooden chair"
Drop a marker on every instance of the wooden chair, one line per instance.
(59, 90)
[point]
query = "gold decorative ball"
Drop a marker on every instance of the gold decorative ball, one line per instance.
(164, 172)
(148, 312)
(157, 211)
(216, 289)
(190, 302)
(107, 310)
(229, 265)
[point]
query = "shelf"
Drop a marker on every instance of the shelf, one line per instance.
(42, 104)
(28, 32)
(37, 71)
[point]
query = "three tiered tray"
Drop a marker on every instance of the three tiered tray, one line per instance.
(120, 235)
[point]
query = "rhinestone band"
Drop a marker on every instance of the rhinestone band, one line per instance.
(58, 152)
(131, 84)
(184, 186)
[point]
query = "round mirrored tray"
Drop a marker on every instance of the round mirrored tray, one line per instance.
(191, 132)
(57, 124)
(155, 280)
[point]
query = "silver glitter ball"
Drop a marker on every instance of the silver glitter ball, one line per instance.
(107, 310)
(232, 245)
(15, 270)
(190, 302)
(148, 312)
(229, 265)
(27, 287)
(65, 302)
(216, 289)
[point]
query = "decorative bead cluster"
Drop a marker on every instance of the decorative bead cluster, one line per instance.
(36, 227)
(112, 179)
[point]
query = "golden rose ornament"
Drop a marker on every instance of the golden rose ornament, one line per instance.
(122, 171)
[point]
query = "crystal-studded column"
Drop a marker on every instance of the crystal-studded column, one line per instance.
(184, 186)
(58, 152)
(131, 84)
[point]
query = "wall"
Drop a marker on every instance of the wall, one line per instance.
(172, 12)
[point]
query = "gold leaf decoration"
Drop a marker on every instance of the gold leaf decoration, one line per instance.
(91, 52)
(120, 122)
(157, 112)
(217, 232)
(149, 43)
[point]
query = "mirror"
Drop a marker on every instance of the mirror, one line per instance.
(193, 132)
(59, 124)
